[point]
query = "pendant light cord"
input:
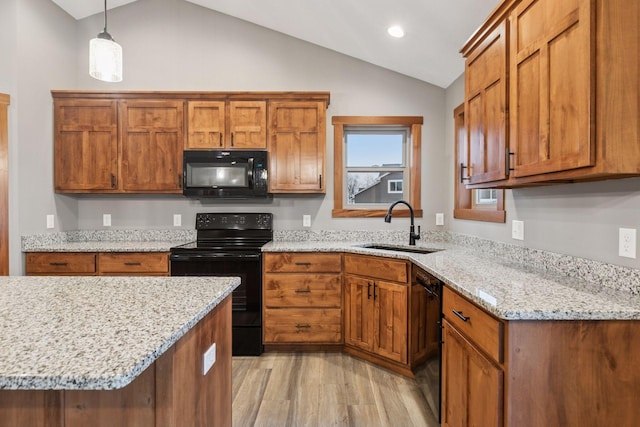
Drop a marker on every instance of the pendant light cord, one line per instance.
(105, 16)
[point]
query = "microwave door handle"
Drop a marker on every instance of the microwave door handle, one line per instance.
(250, 164)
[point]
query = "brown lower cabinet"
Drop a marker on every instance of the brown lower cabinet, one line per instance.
(97, 264)
(305, 307)
(302, 299)
(522, 373)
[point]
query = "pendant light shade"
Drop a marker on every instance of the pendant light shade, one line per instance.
(105, 56)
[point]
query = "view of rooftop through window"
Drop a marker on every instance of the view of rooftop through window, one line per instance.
(376, 160)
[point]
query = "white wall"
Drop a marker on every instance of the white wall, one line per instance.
(579, 219)
(175, 45)
(41, 53)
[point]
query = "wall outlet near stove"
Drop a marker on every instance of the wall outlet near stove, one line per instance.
(177, 220)
(627, 242)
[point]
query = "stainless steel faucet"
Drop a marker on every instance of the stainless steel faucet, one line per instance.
(413, 236)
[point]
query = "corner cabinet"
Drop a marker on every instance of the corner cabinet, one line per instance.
(297, 147)
(378, 309)
(571, 82)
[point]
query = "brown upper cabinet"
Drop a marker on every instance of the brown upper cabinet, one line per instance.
(132, 142)
(570, 76)
(85, 145)
(297, 147)
(230, 125)
(151, 145)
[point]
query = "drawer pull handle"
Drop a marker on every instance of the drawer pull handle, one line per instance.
(306, 264)
(131, 263)
(303, 291)
(306, 326)
(59, 264)
(460, 315)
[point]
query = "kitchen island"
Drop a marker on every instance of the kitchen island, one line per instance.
(115, 351)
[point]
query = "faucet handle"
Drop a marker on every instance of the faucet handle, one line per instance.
(418, 235)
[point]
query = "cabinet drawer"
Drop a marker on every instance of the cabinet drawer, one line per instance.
(377, 267)
(302, 290)
(302, 262)
(61, 263)
(479, 327)
(303, 325)
(134, 263)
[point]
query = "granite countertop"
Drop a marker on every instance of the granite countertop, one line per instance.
(95, 333)
(506, 289)
(105, 246)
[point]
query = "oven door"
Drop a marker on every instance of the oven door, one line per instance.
(246, 298)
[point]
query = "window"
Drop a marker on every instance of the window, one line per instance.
(478, 204)
(377, 162)
(394, 186)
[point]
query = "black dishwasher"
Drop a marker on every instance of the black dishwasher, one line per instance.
(427, 291)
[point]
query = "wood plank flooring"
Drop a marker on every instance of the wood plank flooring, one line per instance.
(329, 389)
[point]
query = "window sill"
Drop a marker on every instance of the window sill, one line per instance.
(480, 215)
(371, 213)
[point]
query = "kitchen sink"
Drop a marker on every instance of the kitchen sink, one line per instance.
(412, 249)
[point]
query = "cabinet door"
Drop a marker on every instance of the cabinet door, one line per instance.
(390, 320)
(152, 141)
(248, 124)
(472, 386)
(552, 84)
(486, 108)
(359, 312)
(297, 145)
(206, 125)
(85, 145)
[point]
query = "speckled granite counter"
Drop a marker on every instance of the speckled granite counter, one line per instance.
(95, 333)
(107, 241)
(507, 288)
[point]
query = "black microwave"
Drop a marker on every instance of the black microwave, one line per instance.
(225, 174)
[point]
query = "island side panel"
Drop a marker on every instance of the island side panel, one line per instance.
(183, 395)
(34, 408)
(573, 373)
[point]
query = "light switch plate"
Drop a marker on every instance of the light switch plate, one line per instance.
(517, 230)
(177, 220)
(439, 219)
(306, 220)
(50, 221)
(627, 242)
(106, 220)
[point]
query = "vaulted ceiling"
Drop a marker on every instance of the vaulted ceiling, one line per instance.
(435, 29)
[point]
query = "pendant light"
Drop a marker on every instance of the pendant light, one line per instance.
(105, 56)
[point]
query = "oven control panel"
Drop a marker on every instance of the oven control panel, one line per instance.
(234, 221)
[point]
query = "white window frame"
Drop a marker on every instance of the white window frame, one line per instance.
(405, 168)
(395, 181)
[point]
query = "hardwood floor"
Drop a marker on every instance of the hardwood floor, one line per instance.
(329, 389)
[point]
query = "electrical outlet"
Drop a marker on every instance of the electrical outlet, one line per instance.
(208, 359)
(177, 220)
(517, 230)
(50, 221)
(306, 220)
(627, 242)
(439, 219)
(106, 220)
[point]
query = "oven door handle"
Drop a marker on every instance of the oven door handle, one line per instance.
(204, 257)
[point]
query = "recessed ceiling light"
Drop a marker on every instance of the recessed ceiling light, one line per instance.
(395, 31)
